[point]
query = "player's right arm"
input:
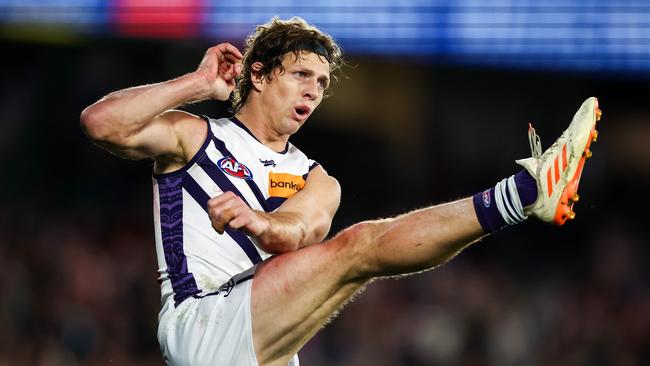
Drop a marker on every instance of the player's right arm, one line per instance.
(140, 122)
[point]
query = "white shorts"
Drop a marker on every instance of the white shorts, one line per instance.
(212, 330)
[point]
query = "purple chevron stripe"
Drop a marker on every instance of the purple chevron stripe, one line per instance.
(202, 198)
(171, 224)
(275, 202)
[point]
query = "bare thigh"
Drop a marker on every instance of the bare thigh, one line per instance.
(294, 295)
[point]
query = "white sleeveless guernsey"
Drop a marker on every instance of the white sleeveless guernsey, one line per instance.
(193, 259)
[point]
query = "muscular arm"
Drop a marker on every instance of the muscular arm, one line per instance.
(303, 219)
(137, 123)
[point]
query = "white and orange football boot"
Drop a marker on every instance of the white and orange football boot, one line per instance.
(558, 170)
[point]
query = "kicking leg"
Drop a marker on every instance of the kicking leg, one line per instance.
(294, 294)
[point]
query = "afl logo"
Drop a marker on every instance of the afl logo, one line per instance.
(234, 168)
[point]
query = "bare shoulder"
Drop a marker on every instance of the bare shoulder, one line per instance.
(190, 130)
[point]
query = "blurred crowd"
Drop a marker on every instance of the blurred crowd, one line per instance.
(81, 295)
(78, 296)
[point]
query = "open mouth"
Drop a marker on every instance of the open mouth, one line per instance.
(302, 111)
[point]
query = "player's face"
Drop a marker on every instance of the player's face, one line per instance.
(292, 96)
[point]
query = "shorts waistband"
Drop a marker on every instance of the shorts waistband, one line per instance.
(234, 281)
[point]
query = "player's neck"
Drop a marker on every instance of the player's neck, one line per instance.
(257, 124)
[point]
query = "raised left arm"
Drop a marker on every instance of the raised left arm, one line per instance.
(303, 219)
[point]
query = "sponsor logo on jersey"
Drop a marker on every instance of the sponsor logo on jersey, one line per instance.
(486, 198)
(285, 184)
(268, 162)
(234, 168)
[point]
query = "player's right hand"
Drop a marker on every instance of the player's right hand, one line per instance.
(229, 210)
(220, 66)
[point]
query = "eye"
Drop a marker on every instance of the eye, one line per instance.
(300, 74)
(323, 83)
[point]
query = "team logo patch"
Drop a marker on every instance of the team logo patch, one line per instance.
(486, 198)
(284, 184)
(234, 168)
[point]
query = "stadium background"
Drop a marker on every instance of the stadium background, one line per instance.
(435, 107)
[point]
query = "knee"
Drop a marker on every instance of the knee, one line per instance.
(354, 245)
(358, 235)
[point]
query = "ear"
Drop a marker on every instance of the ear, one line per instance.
(256, 78)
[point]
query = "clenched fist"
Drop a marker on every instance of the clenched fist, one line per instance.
(220, 66)
(228, 209)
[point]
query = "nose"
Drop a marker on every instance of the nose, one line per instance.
(311, 91)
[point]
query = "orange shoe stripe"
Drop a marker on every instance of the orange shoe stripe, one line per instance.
(548, 182)
(564, 163)
(557, 169)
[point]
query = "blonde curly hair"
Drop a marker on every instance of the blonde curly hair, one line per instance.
(271, 41)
